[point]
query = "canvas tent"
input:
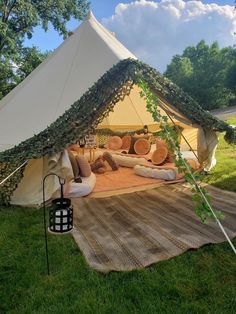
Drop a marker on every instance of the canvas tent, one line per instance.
(87, 83)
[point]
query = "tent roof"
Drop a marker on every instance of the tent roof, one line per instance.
(58, 82)
(95, 104)
(74, 89)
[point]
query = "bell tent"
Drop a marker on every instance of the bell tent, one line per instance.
(88, 83)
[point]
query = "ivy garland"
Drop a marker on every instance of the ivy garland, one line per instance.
(87, 112)
(202, 208)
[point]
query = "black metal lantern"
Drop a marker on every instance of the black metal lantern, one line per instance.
(61, 211)
(60, 214)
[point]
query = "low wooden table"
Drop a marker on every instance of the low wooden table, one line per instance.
(90, 149)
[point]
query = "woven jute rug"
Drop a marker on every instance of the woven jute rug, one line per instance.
(132, 231)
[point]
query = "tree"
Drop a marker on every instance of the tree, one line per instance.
(13, 72)
(17, 20)
(28, 60)
(19, 17)
(203, 72)
(7, 78)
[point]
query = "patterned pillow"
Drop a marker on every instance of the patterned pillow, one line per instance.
(142, 146)
(84, 166)
(133, 141)
(115, 143)
(159, 155)
(126, 140)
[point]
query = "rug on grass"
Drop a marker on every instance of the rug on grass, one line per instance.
(132, 231)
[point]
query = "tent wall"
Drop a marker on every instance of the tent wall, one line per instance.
(30, 190)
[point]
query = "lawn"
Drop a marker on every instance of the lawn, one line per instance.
(198, 281)
(223, 175)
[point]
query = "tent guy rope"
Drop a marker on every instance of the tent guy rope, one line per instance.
(11, 174)
(209, 206)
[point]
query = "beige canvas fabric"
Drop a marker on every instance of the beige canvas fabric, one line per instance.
(206, 148)
(61, 80)
(58, 82)
(30, 190)
(132, 114)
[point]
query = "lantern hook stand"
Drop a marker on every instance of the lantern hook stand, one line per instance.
(61, 182)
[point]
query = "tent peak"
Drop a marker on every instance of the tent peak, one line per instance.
(90, 16)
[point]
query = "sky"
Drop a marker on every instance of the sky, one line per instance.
(155, 31)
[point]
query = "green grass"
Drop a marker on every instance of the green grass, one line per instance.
(200, 281)
(223, 175)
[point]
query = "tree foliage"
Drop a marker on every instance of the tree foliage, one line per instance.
(13, 72)
(19, 17)
(207, 73)
(17, 20)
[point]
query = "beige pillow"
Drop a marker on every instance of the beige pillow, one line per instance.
(74, 164)
(84, 166)
(115, 143)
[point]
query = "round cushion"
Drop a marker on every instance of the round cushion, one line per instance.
(82, 189)
(126, 140)
(115, 142)
(84, 166)
(160, 142)
(159, 155)
(142, 146)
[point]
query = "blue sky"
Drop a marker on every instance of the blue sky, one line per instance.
(101, 8)
(169, 26)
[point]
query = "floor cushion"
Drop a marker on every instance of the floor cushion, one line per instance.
(128, 161)
(82, 189)
(115, 142)
(163, 174)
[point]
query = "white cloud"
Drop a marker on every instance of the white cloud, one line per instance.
(155, 31)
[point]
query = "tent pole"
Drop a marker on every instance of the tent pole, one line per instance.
(202, 194)
(210, 207)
